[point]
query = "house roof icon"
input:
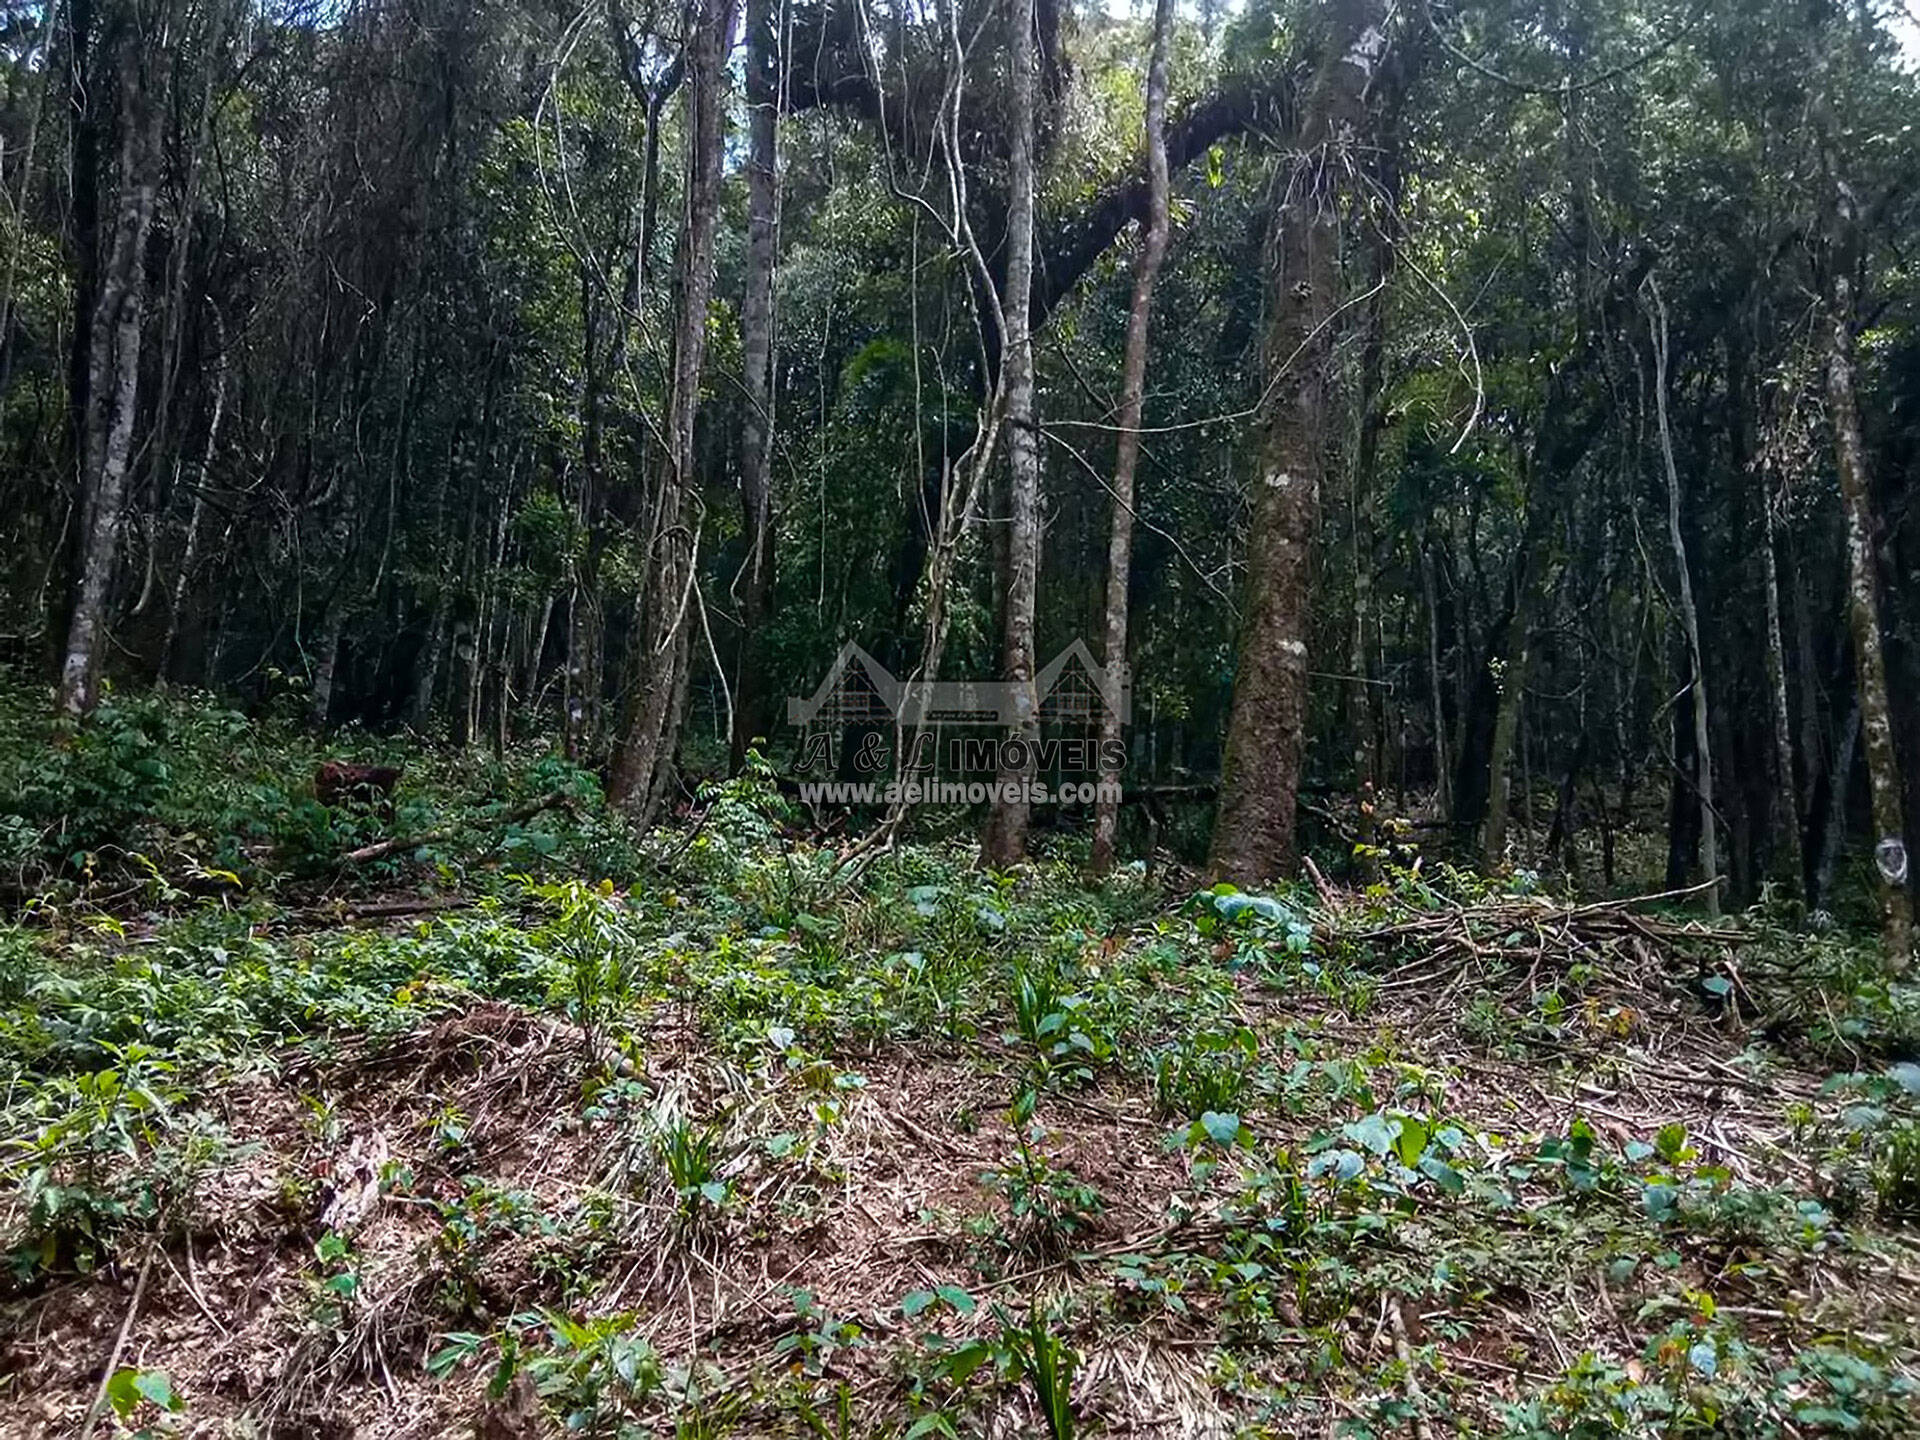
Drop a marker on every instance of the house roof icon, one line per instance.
(1071, 688)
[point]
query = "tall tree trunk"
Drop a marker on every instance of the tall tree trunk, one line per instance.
(1863, 612)
(1005, 842)
(1510, 683)
(1442, 756)
(1253, 834)
(1789, 865)
(580, 696)
(752, 711)
(22, 189)
(658, 661)
(326, 662)
(112, 388)
(1534, 566)
(1370, 417)
(427, 668)
(1833, 823)
(1133, 386)
(190, 548)
(88, 99)
(1689, 612)
(536, 650)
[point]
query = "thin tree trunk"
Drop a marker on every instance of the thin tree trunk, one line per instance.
(427, 674)
(659, 660)
(1254, 836)
(1863, 611)
(1510, 669)
(1133, 385)
(490, 658)
(1833, 825)
(190, 548)
(1370, 419)
(1689, 612)
(1442, 757)
(23, 188)
(1005, 842)
(537, 648)
(581, 696)
(326, 662)
(752, 711)
(466, 650)
(112, 388)
(1789, 866)
(1511, 683)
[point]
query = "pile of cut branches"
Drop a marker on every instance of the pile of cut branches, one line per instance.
(1421, 934)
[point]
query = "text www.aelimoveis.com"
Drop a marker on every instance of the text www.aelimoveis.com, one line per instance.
(957, 792)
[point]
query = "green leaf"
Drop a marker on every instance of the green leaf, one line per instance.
(1344, 1164)
(1442, 1174)
(1373, 1132)
(916, 1303)
(461, 1346)
(1411, 1143)
(934, 1424)
(1671, 1142)
(1223, 1128)
(967, 1359)
(122, 1393)
(956, 1297)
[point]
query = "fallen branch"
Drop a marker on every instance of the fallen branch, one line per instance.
(99, 1404)
(380, 849)
(1403, 1351)
(396, 909)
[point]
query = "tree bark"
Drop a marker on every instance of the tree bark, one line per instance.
(190, 548)
(752, 711)
(112, 389)
(658, 662)
(1689, 611)
(1510, 685)
(1005, 842)
(1863, 613)
(1133, 385)
(1254, 835)
(326, 660)
(1789, 865)
(1833, 825)
(1442, 756)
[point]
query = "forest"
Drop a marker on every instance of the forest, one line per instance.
(959, 718)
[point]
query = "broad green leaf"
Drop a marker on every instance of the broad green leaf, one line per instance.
(1373, 1132)
(1411, 1143)
(956, 1297)
(1224, 1129)
(1442, 1174)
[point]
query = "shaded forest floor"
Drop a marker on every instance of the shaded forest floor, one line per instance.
(728, 1149)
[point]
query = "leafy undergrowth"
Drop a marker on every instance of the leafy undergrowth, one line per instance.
(745, 1151)
(160, 799)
